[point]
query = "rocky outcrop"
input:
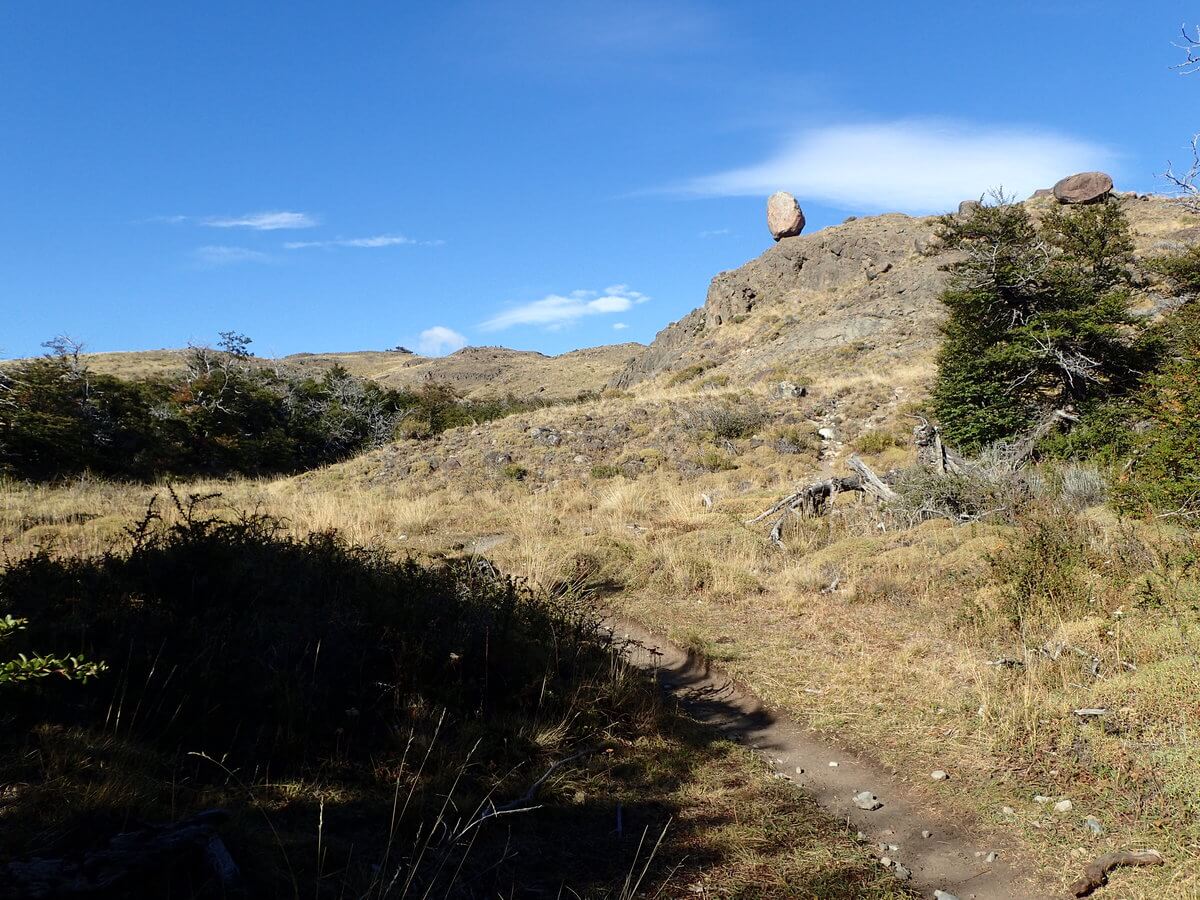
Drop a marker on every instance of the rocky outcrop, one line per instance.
(784, 216)
(842, 284)
(1086, 187)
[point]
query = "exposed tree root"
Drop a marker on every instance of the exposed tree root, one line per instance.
(1095, 875)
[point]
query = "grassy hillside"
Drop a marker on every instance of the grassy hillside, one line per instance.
(477, 372)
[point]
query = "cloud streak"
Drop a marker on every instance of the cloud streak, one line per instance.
(440, 340)
(379, 240)
(557, 310)
(219, 255)
(263, 221)
(917, 166)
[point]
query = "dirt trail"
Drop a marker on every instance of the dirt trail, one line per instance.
(946, 861)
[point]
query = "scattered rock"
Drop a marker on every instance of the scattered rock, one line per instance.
(991, 857)
(1063, 806)
(496, 458)
(868, 801)
(902, 872)
(967, 208)
(789, 390)
(799, 770)
(1038, 798)
(939, 775)
(1007, 811)
(927, 834)
(943, 895)
(833, 765)
(827, 434)
(1092, 824)
(1086, 187)
(451, 464)
(784, 216)
(885, 861)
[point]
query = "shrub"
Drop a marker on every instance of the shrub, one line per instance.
(1041, 571)
(605, 471)
(515, 472)
(714, 460)
(1038, 318)
(688, 374)
(728, 421)
(877, 440)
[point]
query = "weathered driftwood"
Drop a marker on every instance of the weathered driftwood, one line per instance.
(128, 861)
(1095, 875)
(813, 499)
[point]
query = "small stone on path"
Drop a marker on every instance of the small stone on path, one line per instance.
(833, 765)
(938, 775)
(944, 895)
(868, 801)
(927, 834)
(1092, 824)
(1063, 806)
(991, 857)
(902, 873)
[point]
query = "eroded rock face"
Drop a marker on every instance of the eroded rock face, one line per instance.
(784, 216)
(864, 280)
(1086, 187)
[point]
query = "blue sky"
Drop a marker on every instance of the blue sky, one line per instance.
(541, 175)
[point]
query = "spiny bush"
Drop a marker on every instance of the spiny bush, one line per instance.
(727, 421)
(1041, 572)
(877, 440)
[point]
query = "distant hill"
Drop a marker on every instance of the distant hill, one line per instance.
(476, 371)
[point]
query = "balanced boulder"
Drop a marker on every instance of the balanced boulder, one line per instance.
(784, 216)
(1086, 187)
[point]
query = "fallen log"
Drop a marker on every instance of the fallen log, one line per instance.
(815, 498)
(1095, 874)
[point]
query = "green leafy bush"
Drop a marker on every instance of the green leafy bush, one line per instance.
(226, 415)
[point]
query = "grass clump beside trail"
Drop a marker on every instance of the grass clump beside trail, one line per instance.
(362, 715)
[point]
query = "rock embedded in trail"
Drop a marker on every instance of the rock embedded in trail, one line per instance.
(939, 775)
(868, 801)
(1086, 187)
(784, 216)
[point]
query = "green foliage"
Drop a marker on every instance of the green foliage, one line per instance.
(515, 472)
(1041, 572)
(27, 668)
(605, 471)
(1038, 318)
(1162, 443)
(877, 440)
(714, 460)
(688, 374)
(225, 415)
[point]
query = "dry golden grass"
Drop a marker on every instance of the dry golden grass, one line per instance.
(884, 637)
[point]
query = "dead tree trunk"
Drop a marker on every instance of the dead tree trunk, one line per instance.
(813, 499)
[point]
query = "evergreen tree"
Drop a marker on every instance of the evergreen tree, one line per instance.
(1037, 320)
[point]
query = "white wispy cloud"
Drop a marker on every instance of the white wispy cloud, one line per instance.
(716, 232)
(220, 255)
(556, 310)
(440, 340)
(263, 221)
(918, 166)
(619, 326)
(379, 240)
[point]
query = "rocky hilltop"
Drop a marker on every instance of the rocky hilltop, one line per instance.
(855, 297)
